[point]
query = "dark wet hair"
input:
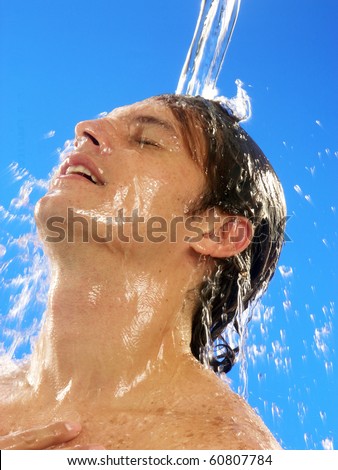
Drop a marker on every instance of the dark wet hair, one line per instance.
(239, 181)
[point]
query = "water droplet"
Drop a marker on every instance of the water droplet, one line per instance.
(322, 415)
(327, 444)
(282, 335)
(287, 304)
(2, 251)
(302, 410)
(276, 412)
(298, 189)
(328, 367)
(308, 440)
(102, 115)
(286, 271)
(312, 169)
(49, 135)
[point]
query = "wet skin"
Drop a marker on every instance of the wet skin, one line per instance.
(114, 350)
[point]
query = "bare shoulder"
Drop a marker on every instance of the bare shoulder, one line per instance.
(223, 419)
(238, 425)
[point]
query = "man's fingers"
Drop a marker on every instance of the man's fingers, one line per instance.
(41, 438)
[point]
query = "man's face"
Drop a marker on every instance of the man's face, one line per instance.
(129, 171)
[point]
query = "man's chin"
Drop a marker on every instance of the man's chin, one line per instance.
(50, 213)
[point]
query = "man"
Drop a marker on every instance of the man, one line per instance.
(157, 224)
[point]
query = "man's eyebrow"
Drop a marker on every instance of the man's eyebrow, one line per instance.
(152, 120)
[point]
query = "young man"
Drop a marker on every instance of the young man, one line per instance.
(162, 219)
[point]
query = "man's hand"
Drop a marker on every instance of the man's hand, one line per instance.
(44, 437)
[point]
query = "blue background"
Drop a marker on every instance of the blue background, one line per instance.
(69, 60)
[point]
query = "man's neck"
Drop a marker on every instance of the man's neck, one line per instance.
(111, 325)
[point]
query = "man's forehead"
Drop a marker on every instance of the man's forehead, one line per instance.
(149, 112)
(131, 110)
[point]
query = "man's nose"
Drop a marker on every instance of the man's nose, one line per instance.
(92, 134)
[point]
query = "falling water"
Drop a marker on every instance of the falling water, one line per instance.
(23, 295)
(215, 25)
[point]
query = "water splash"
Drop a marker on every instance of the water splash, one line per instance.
(24, 270)
(243, 316)
(23, 295)
(207, 352)
(235, 334)
(240, 105)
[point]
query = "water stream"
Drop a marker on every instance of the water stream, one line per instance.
(212, 36)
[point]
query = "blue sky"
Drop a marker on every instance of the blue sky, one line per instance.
(66, 61)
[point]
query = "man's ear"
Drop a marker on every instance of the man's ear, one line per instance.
(227, 238)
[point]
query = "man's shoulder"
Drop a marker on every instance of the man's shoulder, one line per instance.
(227, 420)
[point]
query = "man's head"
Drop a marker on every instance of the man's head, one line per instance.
(170, 159)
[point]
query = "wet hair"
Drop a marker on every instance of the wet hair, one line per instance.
(239, 181)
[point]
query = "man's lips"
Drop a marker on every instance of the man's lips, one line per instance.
(83, 166)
